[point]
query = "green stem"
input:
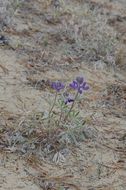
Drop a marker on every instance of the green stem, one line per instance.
(52, 108)
(60, 117)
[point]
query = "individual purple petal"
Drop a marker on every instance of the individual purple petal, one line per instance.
(86, 88)
(59, 86)
(83, 85)
(80, 80)
(53, 85)
(69, 100)
(74, 85)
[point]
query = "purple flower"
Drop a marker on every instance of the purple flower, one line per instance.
(79, 84)
(69, 100)
(57, 86)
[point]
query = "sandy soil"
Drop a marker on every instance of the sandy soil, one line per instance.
(26, 63)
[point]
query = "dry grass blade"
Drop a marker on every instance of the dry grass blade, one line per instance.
(44, 174)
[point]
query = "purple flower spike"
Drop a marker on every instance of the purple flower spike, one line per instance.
(79, 84)
(57, 86)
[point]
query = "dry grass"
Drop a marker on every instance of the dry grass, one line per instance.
(68, 37)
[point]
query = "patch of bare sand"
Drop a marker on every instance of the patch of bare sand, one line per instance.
(14, 174)
(15, 96)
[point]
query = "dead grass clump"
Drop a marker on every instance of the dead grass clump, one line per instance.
(7, 11)
(94, 39)
(116, 95)
(114, 99)
(78, 31)
(84, 32)
(121, 57)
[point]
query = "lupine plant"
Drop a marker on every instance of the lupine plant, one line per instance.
(79, 85)
(67, 117)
